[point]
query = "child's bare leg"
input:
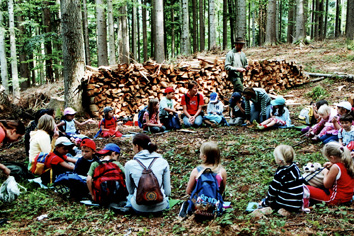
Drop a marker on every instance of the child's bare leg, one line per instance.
(271, 123)
(266, 122)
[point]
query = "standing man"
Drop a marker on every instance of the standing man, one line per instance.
(236, 64)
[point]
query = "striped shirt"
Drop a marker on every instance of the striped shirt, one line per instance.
(261, 101)
(286, 189)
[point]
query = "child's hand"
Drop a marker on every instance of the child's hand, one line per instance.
(335, 119)
(328, 165)
(6, 171)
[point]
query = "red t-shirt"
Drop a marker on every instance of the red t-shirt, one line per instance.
(193, 105)
(2, 134)
(53, 159)
(110, 124)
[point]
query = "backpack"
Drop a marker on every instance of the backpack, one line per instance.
(18, 170)
(141, 117)
(38, 163)
(206, 200)
(148, 191)
(306, 115)
(77, 186)
(108, 183)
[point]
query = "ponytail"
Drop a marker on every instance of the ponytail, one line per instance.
(144, 141)
(337, 150)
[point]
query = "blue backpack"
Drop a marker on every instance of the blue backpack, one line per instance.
(206, 200)
(141, 117)
(72, 183)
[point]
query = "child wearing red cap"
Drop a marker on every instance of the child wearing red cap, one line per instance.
(168, 115)
(88, 149)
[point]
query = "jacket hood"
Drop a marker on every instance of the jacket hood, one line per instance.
(145, 154)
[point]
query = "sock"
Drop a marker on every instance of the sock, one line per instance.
(265, 126)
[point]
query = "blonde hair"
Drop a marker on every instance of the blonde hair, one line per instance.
(284, 154)
(212, 154)
(337, 150)
(46, 123)
(324, 110)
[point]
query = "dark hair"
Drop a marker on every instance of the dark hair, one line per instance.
(14, 124)
(320, 103)
(191, 84)
(144, 141)
(347, 117)
(39, 114)
(152, 107)
(280, 108)
(249, 91)
(49, 111)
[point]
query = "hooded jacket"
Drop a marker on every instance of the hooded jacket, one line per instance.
(133, 172)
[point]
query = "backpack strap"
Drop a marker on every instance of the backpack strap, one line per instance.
(186, 98)
(316, 173)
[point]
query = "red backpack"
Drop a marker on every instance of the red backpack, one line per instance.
(108, 184)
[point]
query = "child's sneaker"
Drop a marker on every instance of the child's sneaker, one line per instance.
(255, 123)
(183, 211)
(260, 127)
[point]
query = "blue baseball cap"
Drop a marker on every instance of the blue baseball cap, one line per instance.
(213, 97)
(279, 101)
(111, 147)
(236, 95)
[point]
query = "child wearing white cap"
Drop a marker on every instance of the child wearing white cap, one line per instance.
(215, 109)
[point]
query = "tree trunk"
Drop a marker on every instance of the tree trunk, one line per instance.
(3, 61)
(111, 41)
(101, 34)
(172, 33)
(300, 21)
(201, 25)
(159, 30)
(320, 22)
(337, 24)
(24, 70)
(241, 19)
(152, 26)
(57, 45)
(280, 27)
(86, 33)
(212, 26)
(48, 43)
(326, 21)
(185, 39)
(14, 70)
(253, 26)
(194, 26)
(313, 19)
(73, 52)
(271, 22)
(350, 22)
(124, 50)
(144, 32)
(134, 34)
(224, 25)
(290, 35)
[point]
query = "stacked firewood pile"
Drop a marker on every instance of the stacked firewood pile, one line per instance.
(127, 88)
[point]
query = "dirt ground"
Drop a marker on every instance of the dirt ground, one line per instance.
(316, 56)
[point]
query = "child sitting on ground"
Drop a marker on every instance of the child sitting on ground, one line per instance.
(279, 115)
(168, 115)
(57, 162)
(151, 117)
(210, 157)
(326, 123)
(109, 124)
(88, 149)
(237, 109)
(286, 189)
(346, 134)
(338, 177)
(68, 123)
(110, 153)
(215, 109)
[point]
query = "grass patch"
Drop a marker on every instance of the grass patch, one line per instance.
(317, 93)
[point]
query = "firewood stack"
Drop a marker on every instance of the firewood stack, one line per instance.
(127, 88)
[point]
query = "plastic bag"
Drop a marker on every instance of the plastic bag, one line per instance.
(10, 189)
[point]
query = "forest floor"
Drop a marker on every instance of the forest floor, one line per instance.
(246, 155)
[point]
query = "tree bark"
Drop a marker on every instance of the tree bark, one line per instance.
(224, 25)
(73, 52)
(313, 19)
(159, 30)
(124, 50)
(291, 14)
(48, 43)
(152, 26)
(201, 25)
(3, 61)
(241, 19)
(185, 39)
(14, 69)
(350, 22)
(300, 21)
(134, 32)
(326, 21)
(102, 54)
(320, 22)
(144, 32)
(111, 41)
(86, 33)
(194, 26)
(212, 26)
(271, 38)
(253, 26)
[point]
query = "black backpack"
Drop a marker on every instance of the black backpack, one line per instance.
(18, 170)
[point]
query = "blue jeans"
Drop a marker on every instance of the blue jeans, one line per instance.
(328, 138)
(155, 129)
(255, 114)
(197, 122)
